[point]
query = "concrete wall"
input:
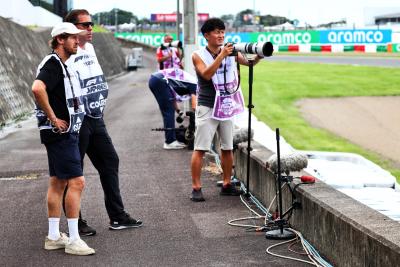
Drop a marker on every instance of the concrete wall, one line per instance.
(21, 50)
(344, 231)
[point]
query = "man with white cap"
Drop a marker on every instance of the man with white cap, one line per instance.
(60, 112)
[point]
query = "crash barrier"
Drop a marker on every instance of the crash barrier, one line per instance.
(22, 50)
(344, 231)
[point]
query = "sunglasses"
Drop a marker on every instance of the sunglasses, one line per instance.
(85, 24)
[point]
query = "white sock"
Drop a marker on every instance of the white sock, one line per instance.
(54, 228)
(73, 229)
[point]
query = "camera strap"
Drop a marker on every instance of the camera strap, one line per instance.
(214, 56)
(238, 73)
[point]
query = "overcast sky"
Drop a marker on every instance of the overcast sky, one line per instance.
(310, 11)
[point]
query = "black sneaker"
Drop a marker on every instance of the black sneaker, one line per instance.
(85, 229)
(230, 190)
(126, 222)
(197, 196)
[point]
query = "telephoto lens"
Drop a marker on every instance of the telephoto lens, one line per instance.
(262, 49)
(176, 44)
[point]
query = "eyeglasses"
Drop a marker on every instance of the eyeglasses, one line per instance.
(85, 24)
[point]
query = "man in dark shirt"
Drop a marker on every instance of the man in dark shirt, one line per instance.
(60, 112)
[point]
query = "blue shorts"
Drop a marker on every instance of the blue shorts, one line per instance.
(64, 158)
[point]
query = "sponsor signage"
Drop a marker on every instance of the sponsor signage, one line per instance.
(396, 47)
(345, 37)
(229, 38)
(356, 36)
(154, 39)
(286, 37)
(172, 17)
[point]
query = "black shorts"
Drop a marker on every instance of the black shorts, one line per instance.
(64, 158)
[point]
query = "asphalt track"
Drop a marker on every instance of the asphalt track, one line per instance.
(155, 186)
(370, 122)
(341, 60)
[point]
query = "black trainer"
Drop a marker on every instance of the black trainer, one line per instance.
(230, 190)
(85, 229)
(126, 222)
(197, 196)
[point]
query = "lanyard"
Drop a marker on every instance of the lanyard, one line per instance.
(214, 56)
(75, 100)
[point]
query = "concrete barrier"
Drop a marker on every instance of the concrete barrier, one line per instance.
(22, 49)
(130, 44)
(343, 230)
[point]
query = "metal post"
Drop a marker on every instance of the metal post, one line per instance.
(250, 107)
(178, 22)
(190, 30)
(116, 19)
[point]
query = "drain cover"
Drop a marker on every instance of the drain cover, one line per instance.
(29, 176)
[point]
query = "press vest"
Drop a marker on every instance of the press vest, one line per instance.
(228, 94)
(173, 62)
(73, 97)
(178, 77)
(92, 81)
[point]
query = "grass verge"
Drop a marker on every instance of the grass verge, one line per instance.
(278, 85)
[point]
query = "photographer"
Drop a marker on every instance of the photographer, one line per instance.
(219, 100)
(169, 86)
(167, 56)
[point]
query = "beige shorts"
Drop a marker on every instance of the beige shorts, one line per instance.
(206, 127)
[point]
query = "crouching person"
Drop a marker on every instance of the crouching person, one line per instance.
(60, 113)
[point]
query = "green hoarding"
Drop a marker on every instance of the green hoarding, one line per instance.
(154, 39)
(286, 38)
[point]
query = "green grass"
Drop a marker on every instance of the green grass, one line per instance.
(278, 85)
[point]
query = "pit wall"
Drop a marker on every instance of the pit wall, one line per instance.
(21, 51)
(344, 231)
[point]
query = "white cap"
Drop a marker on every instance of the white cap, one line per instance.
(65, 27)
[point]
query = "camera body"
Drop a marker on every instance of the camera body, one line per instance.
(262, 49)
(176, 44)
(186, 134)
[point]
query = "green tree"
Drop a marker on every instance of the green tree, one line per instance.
(244, 17)
(270, 20)
(108, 18)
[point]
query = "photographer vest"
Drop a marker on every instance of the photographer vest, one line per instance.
(92, 81)
(173, 62)
(73, 98)
(228, 94)
(178, 78)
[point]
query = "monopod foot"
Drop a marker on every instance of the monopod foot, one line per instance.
(280, 234)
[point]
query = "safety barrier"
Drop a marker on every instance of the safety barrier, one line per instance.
(343, 230)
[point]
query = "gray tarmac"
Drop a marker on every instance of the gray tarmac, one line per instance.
(155, 186)
(341, 60)
(370, 122)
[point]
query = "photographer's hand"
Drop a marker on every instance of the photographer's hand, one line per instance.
(227, 50)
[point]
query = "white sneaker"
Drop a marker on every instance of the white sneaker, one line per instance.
(174, 145)
(78, 247)
(56, 244)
